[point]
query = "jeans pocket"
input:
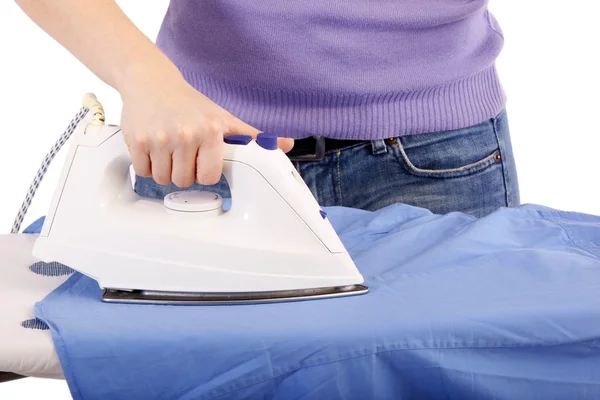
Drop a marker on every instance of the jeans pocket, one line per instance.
(450, 154)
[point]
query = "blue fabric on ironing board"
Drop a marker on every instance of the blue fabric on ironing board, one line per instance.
(36, 226)
(504, 307)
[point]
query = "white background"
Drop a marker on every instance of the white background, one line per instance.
(550, 69)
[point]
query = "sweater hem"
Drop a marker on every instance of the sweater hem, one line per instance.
(457, 105)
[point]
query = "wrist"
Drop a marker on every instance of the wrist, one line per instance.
(144, 73)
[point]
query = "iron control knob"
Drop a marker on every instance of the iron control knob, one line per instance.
(267, 141)
(237, 139)
(193, 201)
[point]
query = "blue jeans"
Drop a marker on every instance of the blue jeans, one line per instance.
(470, 170)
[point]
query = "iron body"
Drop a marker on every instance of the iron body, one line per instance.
(272, 243)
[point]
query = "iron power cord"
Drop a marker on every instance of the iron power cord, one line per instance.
(90, 104)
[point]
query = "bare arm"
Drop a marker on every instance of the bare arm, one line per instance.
(173, 132)
(100, 35)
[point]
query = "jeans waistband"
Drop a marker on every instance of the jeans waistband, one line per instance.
(315, 148)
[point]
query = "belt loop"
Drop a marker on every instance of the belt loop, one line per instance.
(378, 146)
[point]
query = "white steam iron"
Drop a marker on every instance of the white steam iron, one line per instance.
(273, 243)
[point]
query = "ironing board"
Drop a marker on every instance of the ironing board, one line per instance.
(25, 349)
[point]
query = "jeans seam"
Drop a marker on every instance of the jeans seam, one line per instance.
(339, 176)
(350, 147)
(468, 169)
(502, 164)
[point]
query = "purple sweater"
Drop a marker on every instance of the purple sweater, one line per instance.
(351, 69)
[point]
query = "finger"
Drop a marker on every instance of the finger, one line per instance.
(209, 163)
(141, 164)
(161, 163)
(285, 144)
(235, 126)
(140, 160)
(184, 165)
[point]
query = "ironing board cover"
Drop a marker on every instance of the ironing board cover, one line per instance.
(504, 307)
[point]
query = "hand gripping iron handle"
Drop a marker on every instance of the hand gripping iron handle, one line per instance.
(262, 180)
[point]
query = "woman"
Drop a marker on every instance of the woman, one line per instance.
(397, 101)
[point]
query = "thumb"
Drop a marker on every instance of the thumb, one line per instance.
(235, 126)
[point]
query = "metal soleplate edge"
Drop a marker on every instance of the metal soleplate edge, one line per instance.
(183, 298)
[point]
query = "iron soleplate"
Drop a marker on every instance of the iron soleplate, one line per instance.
(183, 298)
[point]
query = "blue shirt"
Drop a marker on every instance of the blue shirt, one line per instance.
(503, 307)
